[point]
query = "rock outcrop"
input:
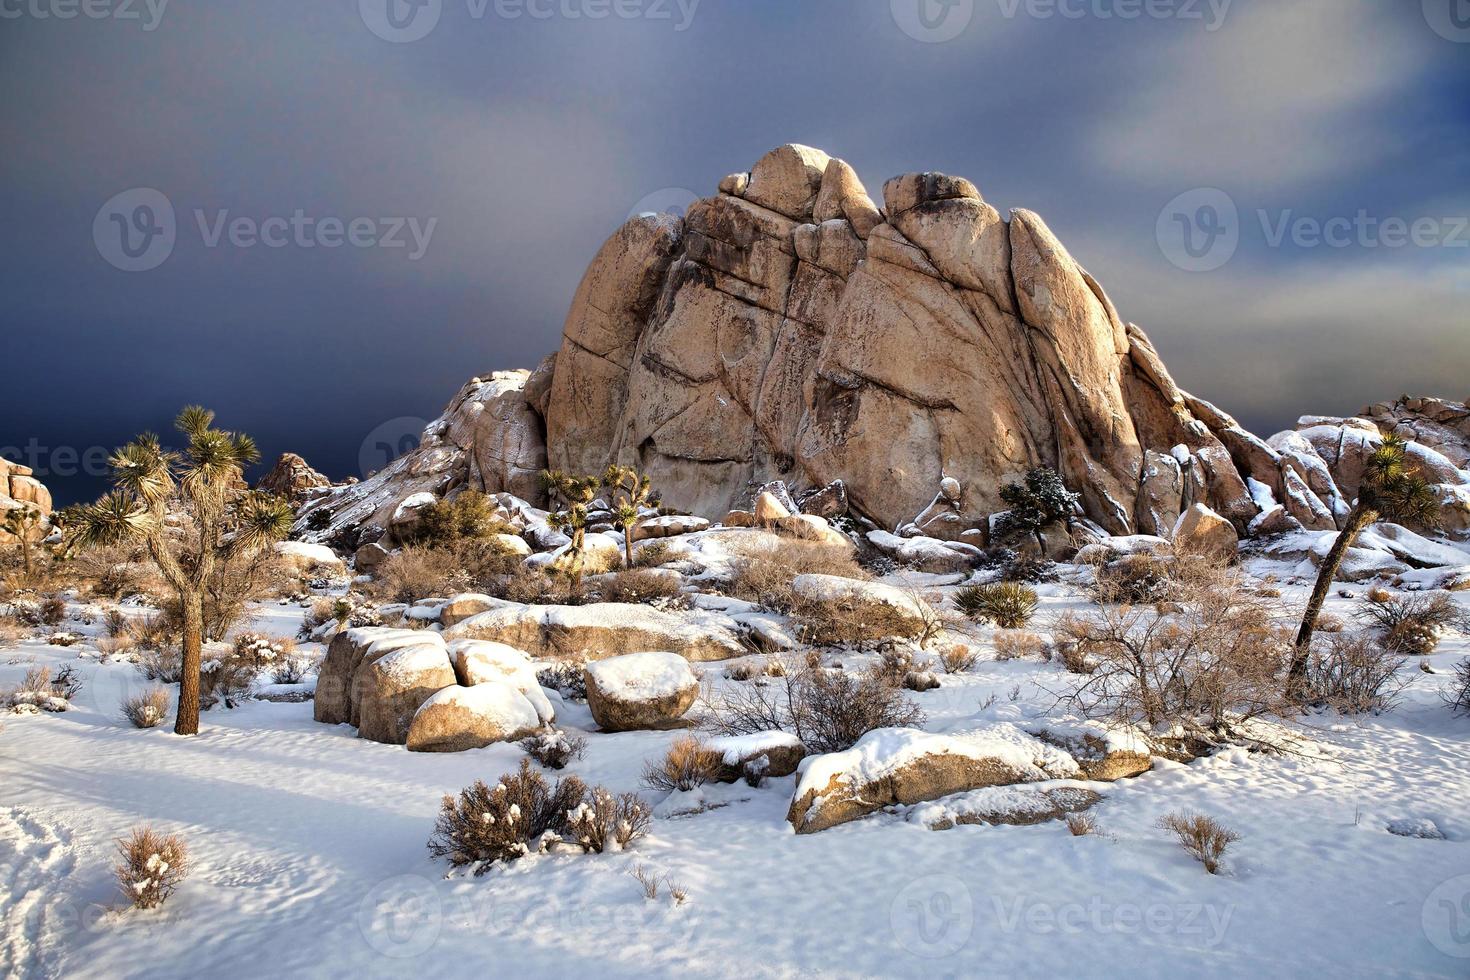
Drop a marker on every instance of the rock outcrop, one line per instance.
(19, 488)
(790, 328)
(293, 478)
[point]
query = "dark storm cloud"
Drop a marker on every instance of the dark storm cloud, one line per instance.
(519, 143)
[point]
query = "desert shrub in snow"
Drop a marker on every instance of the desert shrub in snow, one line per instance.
(263, 652)
(110, 646)
(1353, 673)
(11, 631)
(554, 749)
(607, 822)
(686, 765)
(824, 622)
(1081, 824)
(1198, 667)
(523, 814)
(293, 668)
(38, 691)
(150, 866)
(1457, 696)
(538, 587)
(1132, 579)
(920, 681)
(956, 658)
(895, 662)
(51, 610)
(1328, 623)
(1018, 645)
(419, 572)
(1026, 568)
(470, 514)
(1203, 837)
(147, 709)
(764, 572)
(115, 622)
(66, 682)
(565, 677)
(827, 709)
(652, 554)
(1410, 624)
(1008, 605)
(63, 638)
(155, 631)
(642, 585)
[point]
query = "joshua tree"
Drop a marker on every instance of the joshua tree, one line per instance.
(1038, 503)
(577, 493)
(1389, 491)
(224, 523)
(22, 522)
(630, 493)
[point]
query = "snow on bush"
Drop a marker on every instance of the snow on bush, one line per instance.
(40, 692)
(687, 765)
(1410, 624)
(148, 709)
(523, 814)
(150, 866)
(554, 749)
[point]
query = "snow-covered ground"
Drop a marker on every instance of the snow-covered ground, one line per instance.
(309, 855)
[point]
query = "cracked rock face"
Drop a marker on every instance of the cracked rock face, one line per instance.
(789, 328)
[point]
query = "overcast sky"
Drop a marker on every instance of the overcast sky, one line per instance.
(452, 188)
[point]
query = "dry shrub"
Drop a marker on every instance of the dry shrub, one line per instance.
(1028, 568)
(641, 585)
(523, 815)
(554, 749)
(828, 710)
(148, 709)
(647, 880)
(1008, 605)
(155, 631)
(687, 765)
(538, 587)
(163, 664)
(1205, 838)
(895, 662)
(52, 610)
(920, 681)
(1018, 645)
(957, 658)
(1200, 665)
(1328, 623)
(858, 623)
(470, 515)
(150, 866)
(110, 646)
(1132, 579)
(652, 554)
(1353, 673)
(437, 571)
(765, 570)
(11, 631)
(1081, 824)
(1411, 624)
(1457, 696)
(566, 677)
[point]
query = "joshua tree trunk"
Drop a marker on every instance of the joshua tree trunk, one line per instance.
(628, 546)
(1360, 518)
(25, 553)
(186, 719)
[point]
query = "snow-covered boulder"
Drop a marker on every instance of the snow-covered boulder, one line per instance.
(669, 526)
(482, 662)
(905, 766)
(408, 514)
(465, 606)
(310, 557)
(337, 690)
(640, 691)
(600, 553)
(392, 688)
(927, 554)
(774, 754)
(603, 630)
(867, 600)
(1201, 531)
(1103, 752)
(460, 718)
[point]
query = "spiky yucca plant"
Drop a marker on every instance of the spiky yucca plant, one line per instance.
(630, 492)
(1390, 491)
(226, 522)
(576, 493)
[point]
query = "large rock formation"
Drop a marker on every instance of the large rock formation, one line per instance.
(19, 488)
(789, 328)
(293, 478)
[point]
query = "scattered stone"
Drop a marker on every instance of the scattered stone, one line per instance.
(457, 719)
